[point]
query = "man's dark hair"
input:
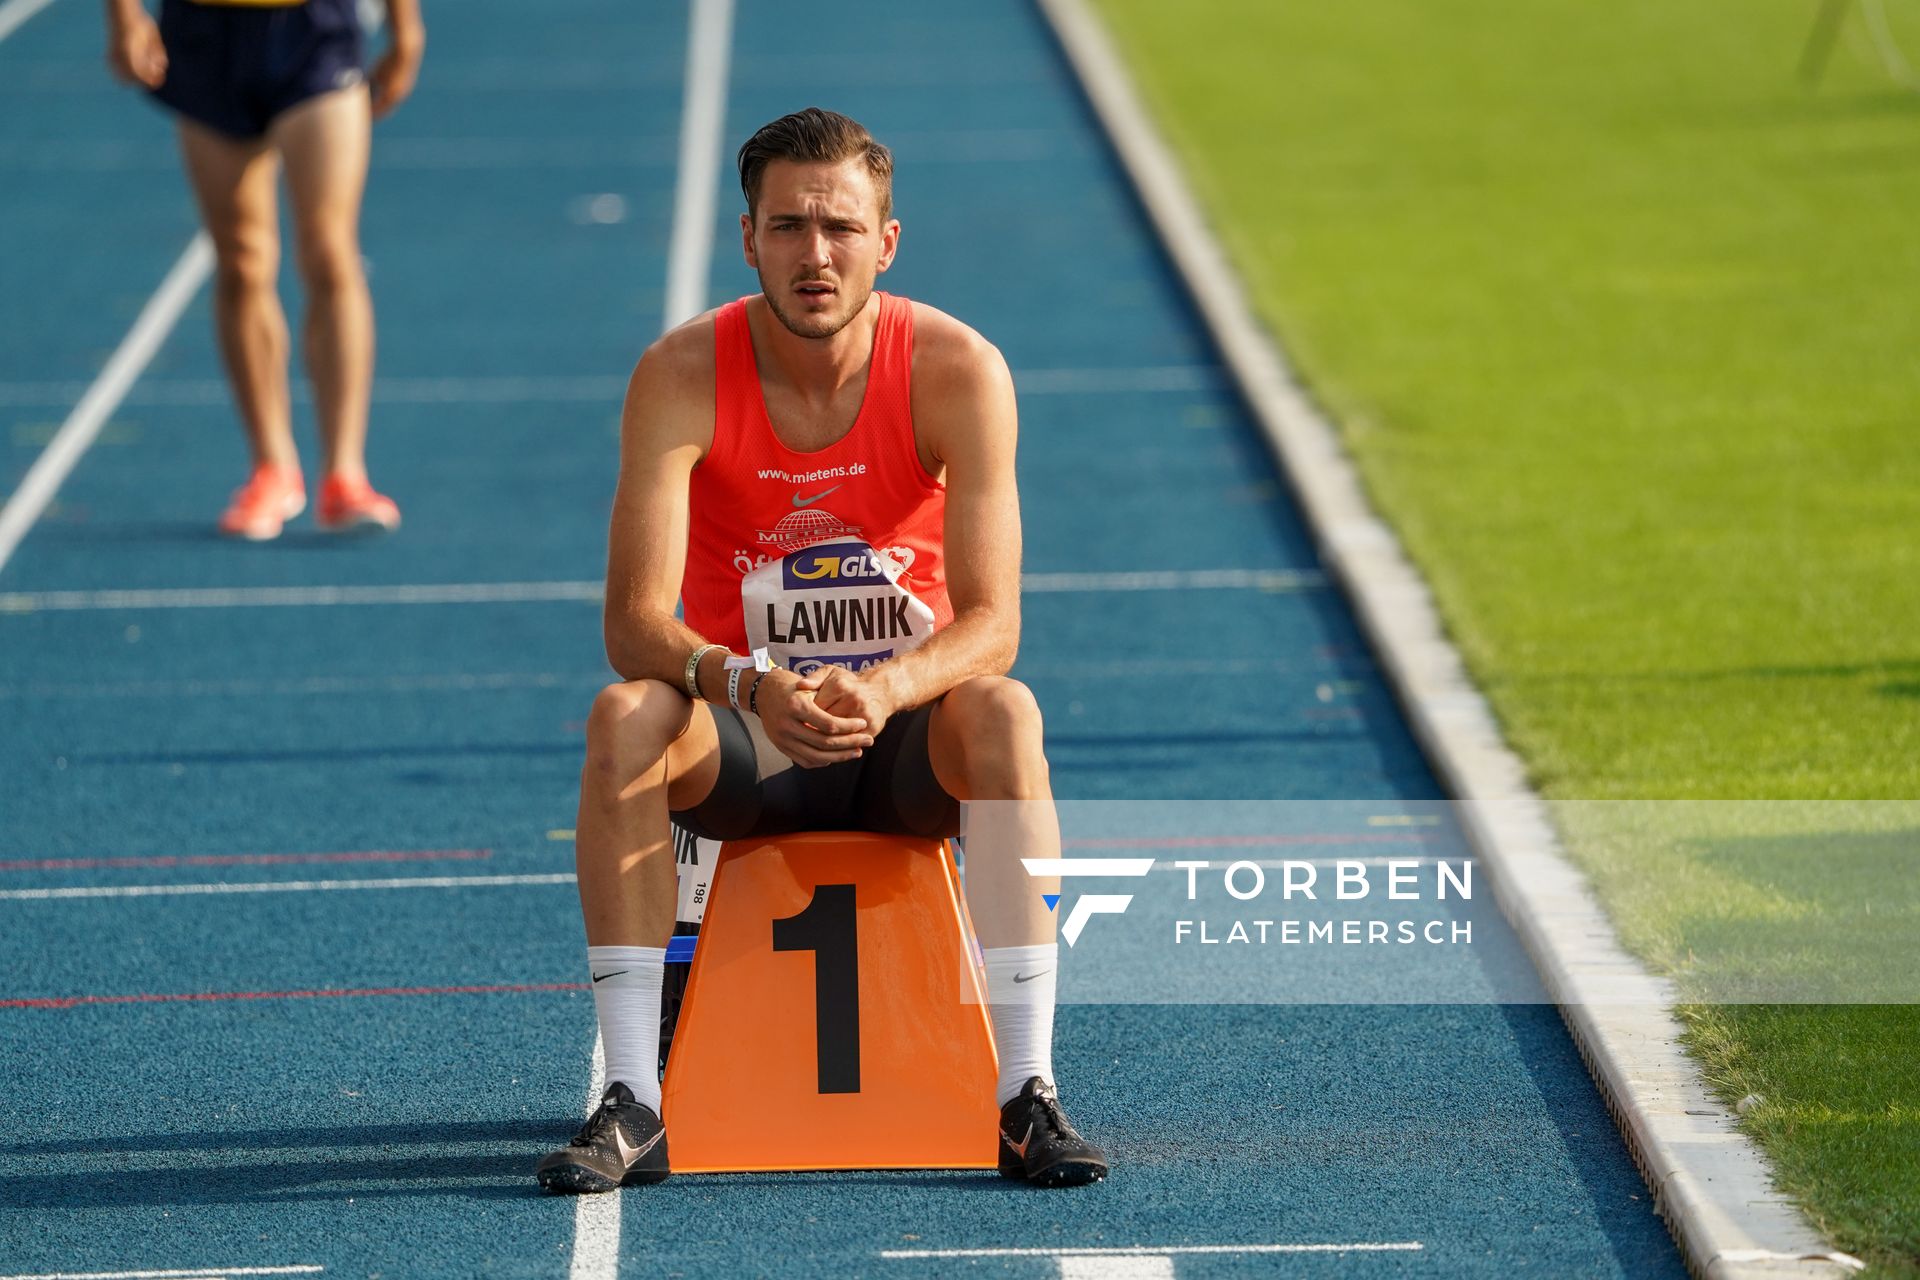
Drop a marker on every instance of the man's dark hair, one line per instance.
(816, 136)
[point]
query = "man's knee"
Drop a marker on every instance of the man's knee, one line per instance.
(630, 728)
(998, 727)
(995, 704)
(330, 264)
(247, 264)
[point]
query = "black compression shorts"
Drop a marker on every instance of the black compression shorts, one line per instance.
(889, 789)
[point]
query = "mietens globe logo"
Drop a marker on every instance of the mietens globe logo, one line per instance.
(804, 527)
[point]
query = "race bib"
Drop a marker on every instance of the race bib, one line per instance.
(837, 603)
(693, 858)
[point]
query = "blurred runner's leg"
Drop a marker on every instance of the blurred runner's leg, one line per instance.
(325, 143)
(233, 181)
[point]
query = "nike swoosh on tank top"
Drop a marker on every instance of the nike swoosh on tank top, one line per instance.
(754, 501)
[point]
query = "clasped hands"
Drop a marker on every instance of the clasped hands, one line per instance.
(824, 717)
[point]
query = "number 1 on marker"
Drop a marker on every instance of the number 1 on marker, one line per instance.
(828, 929)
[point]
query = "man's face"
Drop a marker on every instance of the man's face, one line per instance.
(818, 241)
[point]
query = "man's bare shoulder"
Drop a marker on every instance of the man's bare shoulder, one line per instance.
(682, 356)
(951, 358)
(670, 397)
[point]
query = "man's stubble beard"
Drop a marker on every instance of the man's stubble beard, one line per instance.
(815, 327)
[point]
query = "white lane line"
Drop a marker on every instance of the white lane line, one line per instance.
(508, 155)
(200, 392)
(14, 14)
(596, 1219)
(150, 329)
(1148, 1250)
(1176, 580)
(703, 117)
(257, 597)
(587, 389)
(591, 592)
(502, 155)
(1167, 377)
(533, 390)
(216, 1273)
(279, 886)
(314, 686)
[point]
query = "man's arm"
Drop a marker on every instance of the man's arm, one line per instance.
(966, 421)
(666, 427)
(393, 76)
(135, 53)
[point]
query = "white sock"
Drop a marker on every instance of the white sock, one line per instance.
(626, 995)
(1020, 990)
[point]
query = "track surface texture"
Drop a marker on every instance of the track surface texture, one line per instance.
(360, 1079)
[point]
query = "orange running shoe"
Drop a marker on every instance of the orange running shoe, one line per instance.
(261, 507)
(349, 503)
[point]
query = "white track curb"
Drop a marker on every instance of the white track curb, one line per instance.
(1709, 1182)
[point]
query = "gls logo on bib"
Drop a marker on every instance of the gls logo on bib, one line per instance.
(834, 564)
(836, 603)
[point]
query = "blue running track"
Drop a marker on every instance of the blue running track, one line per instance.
(358, 1080)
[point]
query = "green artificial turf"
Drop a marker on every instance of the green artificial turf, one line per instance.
(1622, 324)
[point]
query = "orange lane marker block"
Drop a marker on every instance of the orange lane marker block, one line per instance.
(836, 1014)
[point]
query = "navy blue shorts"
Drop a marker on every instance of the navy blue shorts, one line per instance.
(235, 67)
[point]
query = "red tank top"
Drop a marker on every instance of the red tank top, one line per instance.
(752, 499)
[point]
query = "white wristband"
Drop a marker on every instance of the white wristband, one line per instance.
(733, 688)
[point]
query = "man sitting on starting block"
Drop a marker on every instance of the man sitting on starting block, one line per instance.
(824, 475)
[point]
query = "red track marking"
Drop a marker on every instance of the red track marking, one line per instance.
(247, 859)
(1218, 842)
(199, 997)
